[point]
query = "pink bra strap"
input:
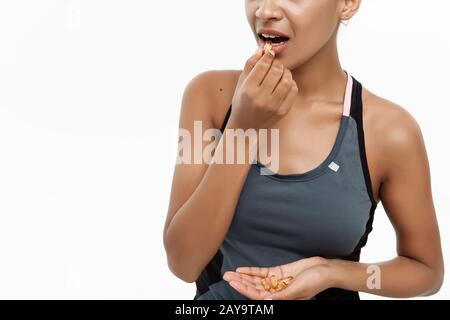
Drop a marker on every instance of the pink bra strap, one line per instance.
(348, 95)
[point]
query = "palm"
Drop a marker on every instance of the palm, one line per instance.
(247, 280)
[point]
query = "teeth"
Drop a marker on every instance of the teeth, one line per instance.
(269, 36)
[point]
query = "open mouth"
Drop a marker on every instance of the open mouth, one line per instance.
(275, 40)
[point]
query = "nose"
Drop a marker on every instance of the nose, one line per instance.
(269, 9)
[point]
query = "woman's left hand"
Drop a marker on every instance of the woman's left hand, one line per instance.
(310, 277)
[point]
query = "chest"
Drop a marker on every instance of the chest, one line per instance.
(306, 139)
(323, 216)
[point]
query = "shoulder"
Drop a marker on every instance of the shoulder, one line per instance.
(211, 93)
(393, 130)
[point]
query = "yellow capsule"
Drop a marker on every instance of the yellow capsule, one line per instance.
(281, 286)
(265, 283)
(267, 47)
(273, 281)
(287, 280)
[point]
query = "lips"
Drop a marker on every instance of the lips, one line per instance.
(272, 35)
(278, 48)
(277, 38)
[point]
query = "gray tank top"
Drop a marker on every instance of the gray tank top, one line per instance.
(327, 211)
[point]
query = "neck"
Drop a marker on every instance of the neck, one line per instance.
(321, 77)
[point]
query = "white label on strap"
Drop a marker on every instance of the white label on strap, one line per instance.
(333, 166)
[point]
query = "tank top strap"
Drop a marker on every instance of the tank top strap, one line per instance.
(227, 116)
(356, 113)
(348, 95)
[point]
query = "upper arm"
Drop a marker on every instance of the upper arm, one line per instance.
(406, 190)
(197, 105)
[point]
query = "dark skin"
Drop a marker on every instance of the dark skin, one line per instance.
(395, 149)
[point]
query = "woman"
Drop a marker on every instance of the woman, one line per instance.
(342, 150)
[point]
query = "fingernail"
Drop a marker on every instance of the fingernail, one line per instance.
(272, 52)
(268, 299)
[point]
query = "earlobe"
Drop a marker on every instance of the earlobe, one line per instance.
(349, 9)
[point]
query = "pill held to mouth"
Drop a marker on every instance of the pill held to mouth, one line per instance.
(267, 47)
(276, 48)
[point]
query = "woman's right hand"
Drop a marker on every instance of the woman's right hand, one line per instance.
(264, 94)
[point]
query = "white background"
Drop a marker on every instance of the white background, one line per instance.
(90, 95)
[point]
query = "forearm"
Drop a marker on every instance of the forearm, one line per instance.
(400, 277)
(200, 225)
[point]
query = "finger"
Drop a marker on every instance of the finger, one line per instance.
(286, 79)
(244, 278)
(248, 277)
(289, 100)
(282, 89)
(303, 264)
(273, 76)
(276, 271)
(261, 68)
(255, 271)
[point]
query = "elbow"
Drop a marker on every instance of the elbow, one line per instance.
(178, 265)
(437, 281)
(181, 272)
